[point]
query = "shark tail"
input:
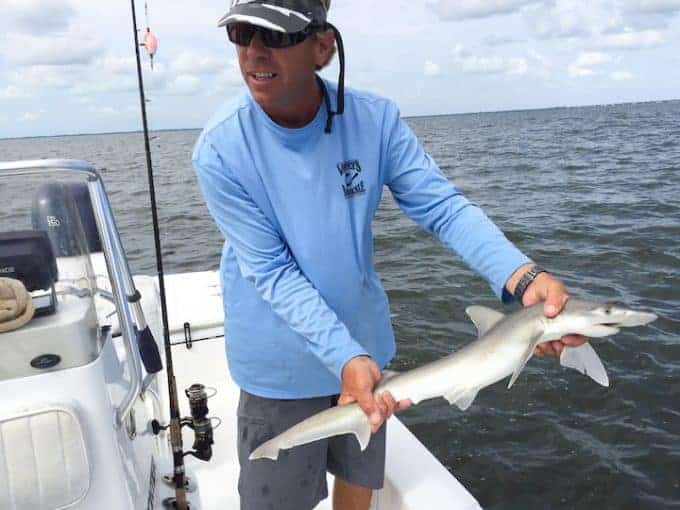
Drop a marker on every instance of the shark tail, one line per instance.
(584, 359)
(345, 419)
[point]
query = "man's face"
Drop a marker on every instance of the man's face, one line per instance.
(282, 79)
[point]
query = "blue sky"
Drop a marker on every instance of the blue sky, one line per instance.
(67, 66)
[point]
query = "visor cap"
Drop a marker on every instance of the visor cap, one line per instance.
(287, 16)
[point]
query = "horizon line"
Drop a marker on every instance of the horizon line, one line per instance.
(514, 110)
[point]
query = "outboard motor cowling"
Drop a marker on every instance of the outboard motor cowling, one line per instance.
(64, 211)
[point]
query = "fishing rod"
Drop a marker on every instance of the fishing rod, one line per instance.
(180, 501)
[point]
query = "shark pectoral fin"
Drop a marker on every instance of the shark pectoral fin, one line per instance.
(584, 359)
(268, 450)
(484, 318)
(350, 420)
(362, 431)
(535, 340)
(462, 398)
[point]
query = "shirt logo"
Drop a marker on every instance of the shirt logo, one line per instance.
(350, 171)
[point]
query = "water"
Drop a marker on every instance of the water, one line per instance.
(590, 193)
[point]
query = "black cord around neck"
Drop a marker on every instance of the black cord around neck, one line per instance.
(340, 102)
(327, 102)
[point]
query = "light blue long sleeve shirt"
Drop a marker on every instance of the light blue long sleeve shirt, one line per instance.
(301, 294)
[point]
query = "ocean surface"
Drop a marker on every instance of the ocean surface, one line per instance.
(591, 193)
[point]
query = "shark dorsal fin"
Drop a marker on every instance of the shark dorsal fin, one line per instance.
(484, 318)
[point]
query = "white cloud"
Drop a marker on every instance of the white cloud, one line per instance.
(586, 64)
(651, 6)
(184, 85)
(30, 81)
(29, 117)
(230, 78)
(190, 63)
(13, 92)
(603, 21)
(571, 18)
(30, 16)
(115, 75)
(55, 50)
(467, 9)
(469, 63)
(116, 65)
(104, 111)
(518, 67)
(106, 83)
(501, 40)
(43, 77)
(631, 40)
(431, 68)
(104, 86)
(621, 76)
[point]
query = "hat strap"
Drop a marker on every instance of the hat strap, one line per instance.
(340, 107)
(327, 103)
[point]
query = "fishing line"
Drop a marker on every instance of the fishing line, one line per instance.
(146, 14)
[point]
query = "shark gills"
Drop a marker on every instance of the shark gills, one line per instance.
(504, 345)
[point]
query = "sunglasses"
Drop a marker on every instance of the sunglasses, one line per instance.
(242, 34)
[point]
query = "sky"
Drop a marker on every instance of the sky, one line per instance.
(67, 66)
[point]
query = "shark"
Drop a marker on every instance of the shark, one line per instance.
(504, 345)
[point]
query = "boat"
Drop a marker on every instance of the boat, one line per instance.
(86, 386)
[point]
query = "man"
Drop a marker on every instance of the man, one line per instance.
(292, 173)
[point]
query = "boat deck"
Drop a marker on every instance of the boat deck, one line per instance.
(414, 477)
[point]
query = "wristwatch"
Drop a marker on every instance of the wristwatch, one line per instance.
(525, 281)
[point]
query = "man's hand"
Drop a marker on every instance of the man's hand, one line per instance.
(359, 377)
(552, 291)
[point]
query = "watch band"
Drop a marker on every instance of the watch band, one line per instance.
(525, 281)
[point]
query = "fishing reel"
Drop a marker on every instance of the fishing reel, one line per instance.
(199, 422)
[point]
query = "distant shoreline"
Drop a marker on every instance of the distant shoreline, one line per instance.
(489, 112)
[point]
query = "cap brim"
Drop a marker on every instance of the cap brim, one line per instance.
(266, 16)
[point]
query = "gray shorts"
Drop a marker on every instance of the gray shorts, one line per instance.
(297, 480)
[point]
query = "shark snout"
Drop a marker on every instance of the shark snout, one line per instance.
(614, 315)
(632, 319)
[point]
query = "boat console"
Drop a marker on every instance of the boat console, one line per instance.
(75, 413)
(27, 256)
(53, 263)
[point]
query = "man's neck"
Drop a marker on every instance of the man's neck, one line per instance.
(300, 112)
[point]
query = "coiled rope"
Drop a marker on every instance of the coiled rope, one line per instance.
(16, 305)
